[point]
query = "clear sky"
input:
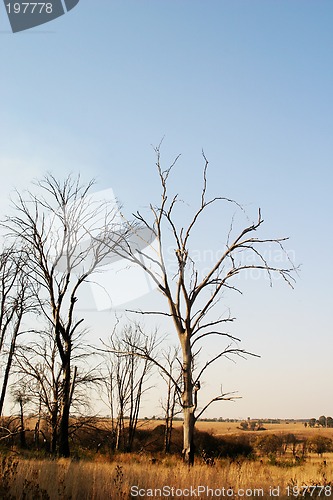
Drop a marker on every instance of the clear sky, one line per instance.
(250, 82)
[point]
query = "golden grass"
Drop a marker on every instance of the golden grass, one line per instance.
(232, 428)
(222, 428)
(102, 480)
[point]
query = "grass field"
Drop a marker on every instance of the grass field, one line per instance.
(124, 476)
(225, 428)
(232, 428)
(99, 480)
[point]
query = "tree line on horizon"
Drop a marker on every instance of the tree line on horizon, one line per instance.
(322, 421)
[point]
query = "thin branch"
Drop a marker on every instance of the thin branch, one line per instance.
(228, 350)
(222, 397)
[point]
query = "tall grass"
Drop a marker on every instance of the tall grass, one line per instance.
(103, 479)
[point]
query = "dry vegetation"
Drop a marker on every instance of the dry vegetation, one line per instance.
(225, 428)
(101, 479)
(105, 475)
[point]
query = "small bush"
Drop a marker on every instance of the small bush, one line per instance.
(270, 444)
(320, 444)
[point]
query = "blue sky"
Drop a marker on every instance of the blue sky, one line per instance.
(251, 83)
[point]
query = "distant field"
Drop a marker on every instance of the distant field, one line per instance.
(232, 428)
(221, 428)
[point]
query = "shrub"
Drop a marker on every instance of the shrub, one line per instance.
(270, 444)
(320, 444)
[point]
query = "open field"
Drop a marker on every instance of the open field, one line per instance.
(101, 480)
(232, 428)
(223, 428)
(297, 428)
(106, 475)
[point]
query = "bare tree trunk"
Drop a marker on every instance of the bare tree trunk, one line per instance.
(6, 375)
(54, 427)
(120, 431)
(188, 404)
(23, 442)
(9, 365)
(167, 423)
(188, 436)
(37, 426)
(169, 416)
(135, 402)
(168, 419)
(64, 450)
(172, 381)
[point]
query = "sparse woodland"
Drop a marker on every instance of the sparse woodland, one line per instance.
(57, 239)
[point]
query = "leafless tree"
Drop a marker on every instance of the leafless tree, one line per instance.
(38, 369)
(22, 397)
(191, 298)
(67, 236)
(126, 381)
(171, 404)
(16, 300)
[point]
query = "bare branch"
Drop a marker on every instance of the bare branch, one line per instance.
(222, 397)
(235, 351)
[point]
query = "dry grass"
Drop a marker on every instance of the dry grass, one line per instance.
(220, 428)
(101, 479)
(232, 428)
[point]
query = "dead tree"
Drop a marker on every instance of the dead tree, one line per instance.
(67, 236)
(21, 396)
(171, 403)
(38, 369)
(126, 381)
(191, 298)
(15, 301)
